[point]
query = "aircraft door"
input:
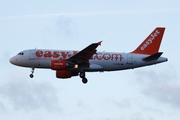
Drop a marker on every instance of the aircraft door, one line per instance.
(130, 59)
(31, 54)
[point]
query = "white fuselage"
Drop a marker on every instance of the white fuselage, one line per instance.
(101, 61)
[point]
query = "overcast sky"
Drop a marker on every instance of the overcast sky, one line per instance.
(149, 93)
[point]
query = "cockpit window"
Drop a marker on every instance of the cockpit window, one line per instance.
(21, 53)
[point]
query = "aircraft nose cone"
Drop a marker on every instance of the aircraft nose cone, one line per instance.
(12, 60)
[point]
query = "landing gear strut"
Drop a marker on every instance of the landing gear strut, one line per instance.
(31, 75)
(84, 79)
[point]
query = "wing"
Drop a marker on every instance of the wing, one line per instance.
(84, 55)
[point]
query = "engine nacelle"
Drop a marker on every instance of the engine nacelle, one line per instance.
(58, 64)
(63, 74)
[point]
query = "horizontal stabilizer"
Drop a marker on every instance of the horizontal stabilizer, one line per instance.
(153, 57)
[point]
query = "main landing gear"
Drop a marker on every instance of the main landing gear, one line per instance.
(31, 75)
(82, 75)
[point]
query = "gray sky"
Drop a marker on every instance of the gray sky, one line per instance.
(149, 93)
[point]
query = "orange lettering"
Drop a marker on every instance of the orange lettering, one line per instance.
(75, 52)
(98, 57)
(107, 56)
(64, 54)
(39, 53)
(47, 54)
(116, 56)
(56, 54)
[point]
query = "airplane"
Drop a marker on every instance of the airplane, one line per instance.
(76, 63)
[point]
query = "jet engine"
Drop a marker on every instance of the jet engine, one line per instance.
(63, 74)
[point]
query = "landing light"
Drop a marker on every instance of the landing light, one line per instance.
(76, 66)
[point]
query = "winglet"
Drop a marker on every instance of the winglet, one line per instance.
(152, 43)
(99, 43)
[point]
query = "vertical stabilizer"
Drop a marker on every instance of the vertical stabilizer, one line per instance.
(152, 43)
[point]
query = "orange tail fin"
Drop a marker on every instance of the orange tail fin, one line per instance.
(152, 43)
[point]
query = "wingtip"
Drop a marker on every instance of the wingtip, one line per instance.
(99, 43)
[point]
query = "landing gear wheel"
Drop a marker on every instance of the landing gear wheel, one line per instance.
(31, 75)
(82, 74)
(84, 80)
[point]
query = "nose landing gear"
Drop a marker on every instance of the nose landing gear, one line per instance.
(82, 75)
(31, 75)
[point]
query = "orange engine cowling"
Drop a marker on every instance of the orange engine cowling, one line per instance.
(58, 64)
(63, 74)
